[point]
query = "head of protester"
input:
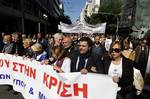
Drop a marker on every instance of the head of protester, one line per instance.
(38, 53)
(68, 45)
(85, 45)
(58, 52)
(18, 43)
(27, 43)
(58, 39)
(67, 42)
(59, 61)
(9, 47)
(98, 48)
(116, 50)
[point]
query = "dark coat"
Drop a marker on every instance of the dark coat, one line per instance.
(126, 81)
(100, 50)
(93, 60)
(142, 58)
(9, 48)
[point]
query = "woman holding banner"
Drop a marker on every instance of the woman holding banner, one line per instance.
(121, 70)
(38, 53)
(59, 61)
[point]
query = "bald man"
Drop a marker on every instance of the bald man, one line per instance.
(67, 44)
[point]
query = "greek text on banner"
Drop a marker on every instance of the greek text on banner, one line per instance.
(36, 81)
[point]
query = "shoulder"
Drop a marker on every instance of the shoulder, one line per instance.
(106, 57)
(74, 54)
(11, 44)
(128, 62)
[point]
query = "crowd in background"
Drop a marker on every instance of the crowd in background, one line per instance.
(97, 53)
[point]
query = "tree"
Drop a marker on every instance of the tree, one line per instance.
(111, 6)
(108, 12)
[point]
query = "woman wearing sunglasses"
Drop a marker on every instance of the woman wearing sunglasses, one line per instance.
(121, 71)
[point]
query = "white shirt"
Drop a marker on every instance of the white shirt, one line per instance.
(115, 70)
(107, 44)
(66, 65)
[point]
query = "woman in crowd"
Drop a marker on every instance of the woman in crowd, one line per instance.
(121, 70)
(38, 53)
(127, 47)
(27, 43)
(59, 61)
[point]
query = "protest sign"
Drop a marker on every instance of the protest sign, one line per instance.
(36, 81)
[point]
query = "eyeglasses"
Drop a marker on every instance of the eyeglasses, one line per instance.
(117, 50)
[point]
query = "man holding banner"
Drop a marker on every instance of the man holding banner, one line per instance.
(84, 60)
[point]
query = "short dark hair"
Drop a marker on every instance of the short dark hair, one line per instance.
(88, 40)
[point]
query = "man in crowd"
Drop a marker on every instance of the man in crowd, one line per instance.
(9, 47)
(98, 48)
(18, 43)
(84, 60)
(67, 44)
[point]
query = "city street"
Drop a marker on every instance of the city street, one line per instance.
(5, 93)
(11, 94)
(76, 49)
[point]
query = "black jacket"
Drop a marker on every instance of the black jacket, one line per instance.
(93, 60)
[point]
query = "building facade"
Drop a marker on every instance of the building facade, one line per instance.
(127, 17)
(30, 16)
(92, 6)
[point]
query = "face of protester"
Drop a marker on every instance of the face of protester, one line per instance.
(51, 41)
(97, 39)
(3, 34)
(14, 38)
(75, 37)
(7, 39)
(58, 41)
(39, 35)
(83, 47)
(26, 43)
(143, 43)
(66, 42)
(116, 51)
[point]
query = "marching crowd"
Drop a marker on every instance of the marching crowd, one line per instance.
(110, 55)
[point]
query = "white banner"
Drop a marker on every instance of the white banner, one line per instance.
(36, 81)
(83, 28)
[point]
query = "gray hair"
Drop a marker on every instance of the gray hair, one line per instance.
(58, 35)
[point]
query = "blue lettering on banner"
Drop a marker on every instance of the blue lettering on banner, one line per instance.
(31, 91)
(4, 76)
(41, 96)
(19, 82)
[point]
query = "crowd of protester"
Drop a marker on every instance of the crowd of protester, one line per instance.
(110, 55)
